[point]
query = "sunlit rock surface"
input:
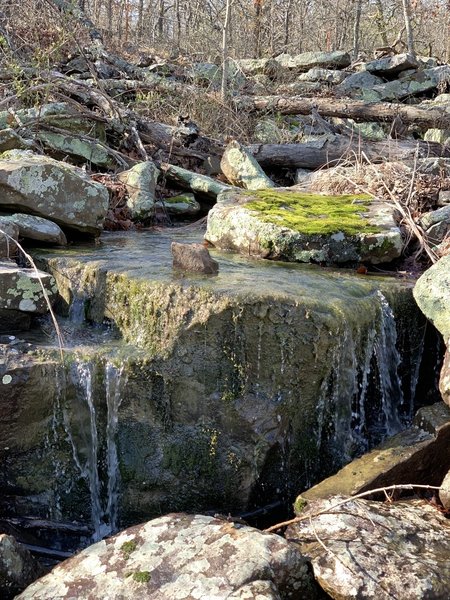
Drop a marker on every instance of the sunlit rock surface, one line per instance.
(374, 550)
(184, 557)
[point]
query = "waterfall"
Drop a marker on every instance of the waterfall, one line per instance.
(83, 430)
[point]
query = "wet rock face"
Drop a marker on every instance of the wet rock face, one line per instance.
(375, 550)
(182, 556)
(51, 189)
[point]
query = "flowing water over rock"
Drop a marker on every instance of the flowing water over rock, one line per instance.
(201, 393)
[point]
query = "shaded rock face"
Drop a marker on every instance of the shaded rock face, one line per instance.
(375, 550)
(8, 249)
(420, 449)
(392, 65)
(193, 258)
(18, 568)
(308, 60)
(242, 223)
(225, 397)
(47, 188)
(182, 556)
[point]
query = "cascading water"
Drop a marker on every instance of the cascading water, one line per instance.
(81, 425)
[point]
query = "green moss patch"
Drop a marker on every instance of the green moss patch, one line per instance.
(313, 214)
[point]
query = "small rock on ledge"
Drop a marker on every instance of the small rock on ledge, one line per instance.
(193, 258)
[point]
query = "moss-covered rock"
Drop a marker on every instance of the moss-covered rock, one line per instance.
(302, 227)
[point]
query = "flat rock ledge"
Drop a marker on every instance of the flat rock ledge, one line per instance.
(184, 557)
(304, 227)
(23, 289)
(375, 550)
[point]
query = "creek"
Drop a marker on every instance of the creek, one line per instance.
(197, 393)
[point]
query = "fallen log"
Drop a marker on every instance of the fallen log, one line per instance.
(199, 184)
(434, 117)
(337, 149)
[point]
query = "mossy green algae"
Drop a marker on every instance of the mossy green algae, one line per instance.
(313, 214)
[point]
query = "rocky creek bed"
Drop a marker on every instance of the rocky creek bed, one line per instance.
(199, 393)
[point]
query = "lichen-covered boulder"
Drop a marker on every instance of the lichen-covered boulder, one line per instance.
(55, 190)
(290, 225)
(18, 568)
(358, 84)
(392, 65)
(444, 380)
(62, 144)
(21, 289)
(412, 85)
(371, 550)
(257, 66)
(432, 294)
(11, 140)
(37, 228)
(140, 182)
(193, 258)
(184, 557)
(242, 169)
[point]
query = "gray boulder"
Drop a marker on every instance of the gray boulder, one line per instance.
(21, 289)
(258, 66)
(358, 84)
(374, 550)
(392, 65)
(295, 226)
(18, 568)
(10, 140)
(242, 169)
(436, 224)
(413, 85)
(50, 189)
(193, 258)
(432, 295)
(302, 62)
(37, 228)
(140, 182)
(184, 557)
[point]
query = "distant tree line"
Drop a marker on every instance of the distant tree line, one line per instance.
(255, 28)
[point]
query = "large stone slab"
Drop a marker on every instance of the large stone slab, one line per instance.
(392, 65)
(300, 227)
(140, 182)
(184, 557)
(412, 85)
(374, 550)
(303, 62)
(47, 188)
(242, 169)
(21, 289)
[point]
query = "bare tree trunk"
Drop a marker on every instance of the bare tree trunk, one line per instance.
(356, 28)
(177, 24)
(408, 25)
(161, 11)
(225, 29)
(257, 28)
(140, 19)
(381, 23)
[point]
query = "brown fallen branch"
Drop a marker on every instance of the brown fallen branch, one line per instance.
(316, 154)
(434, 117)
